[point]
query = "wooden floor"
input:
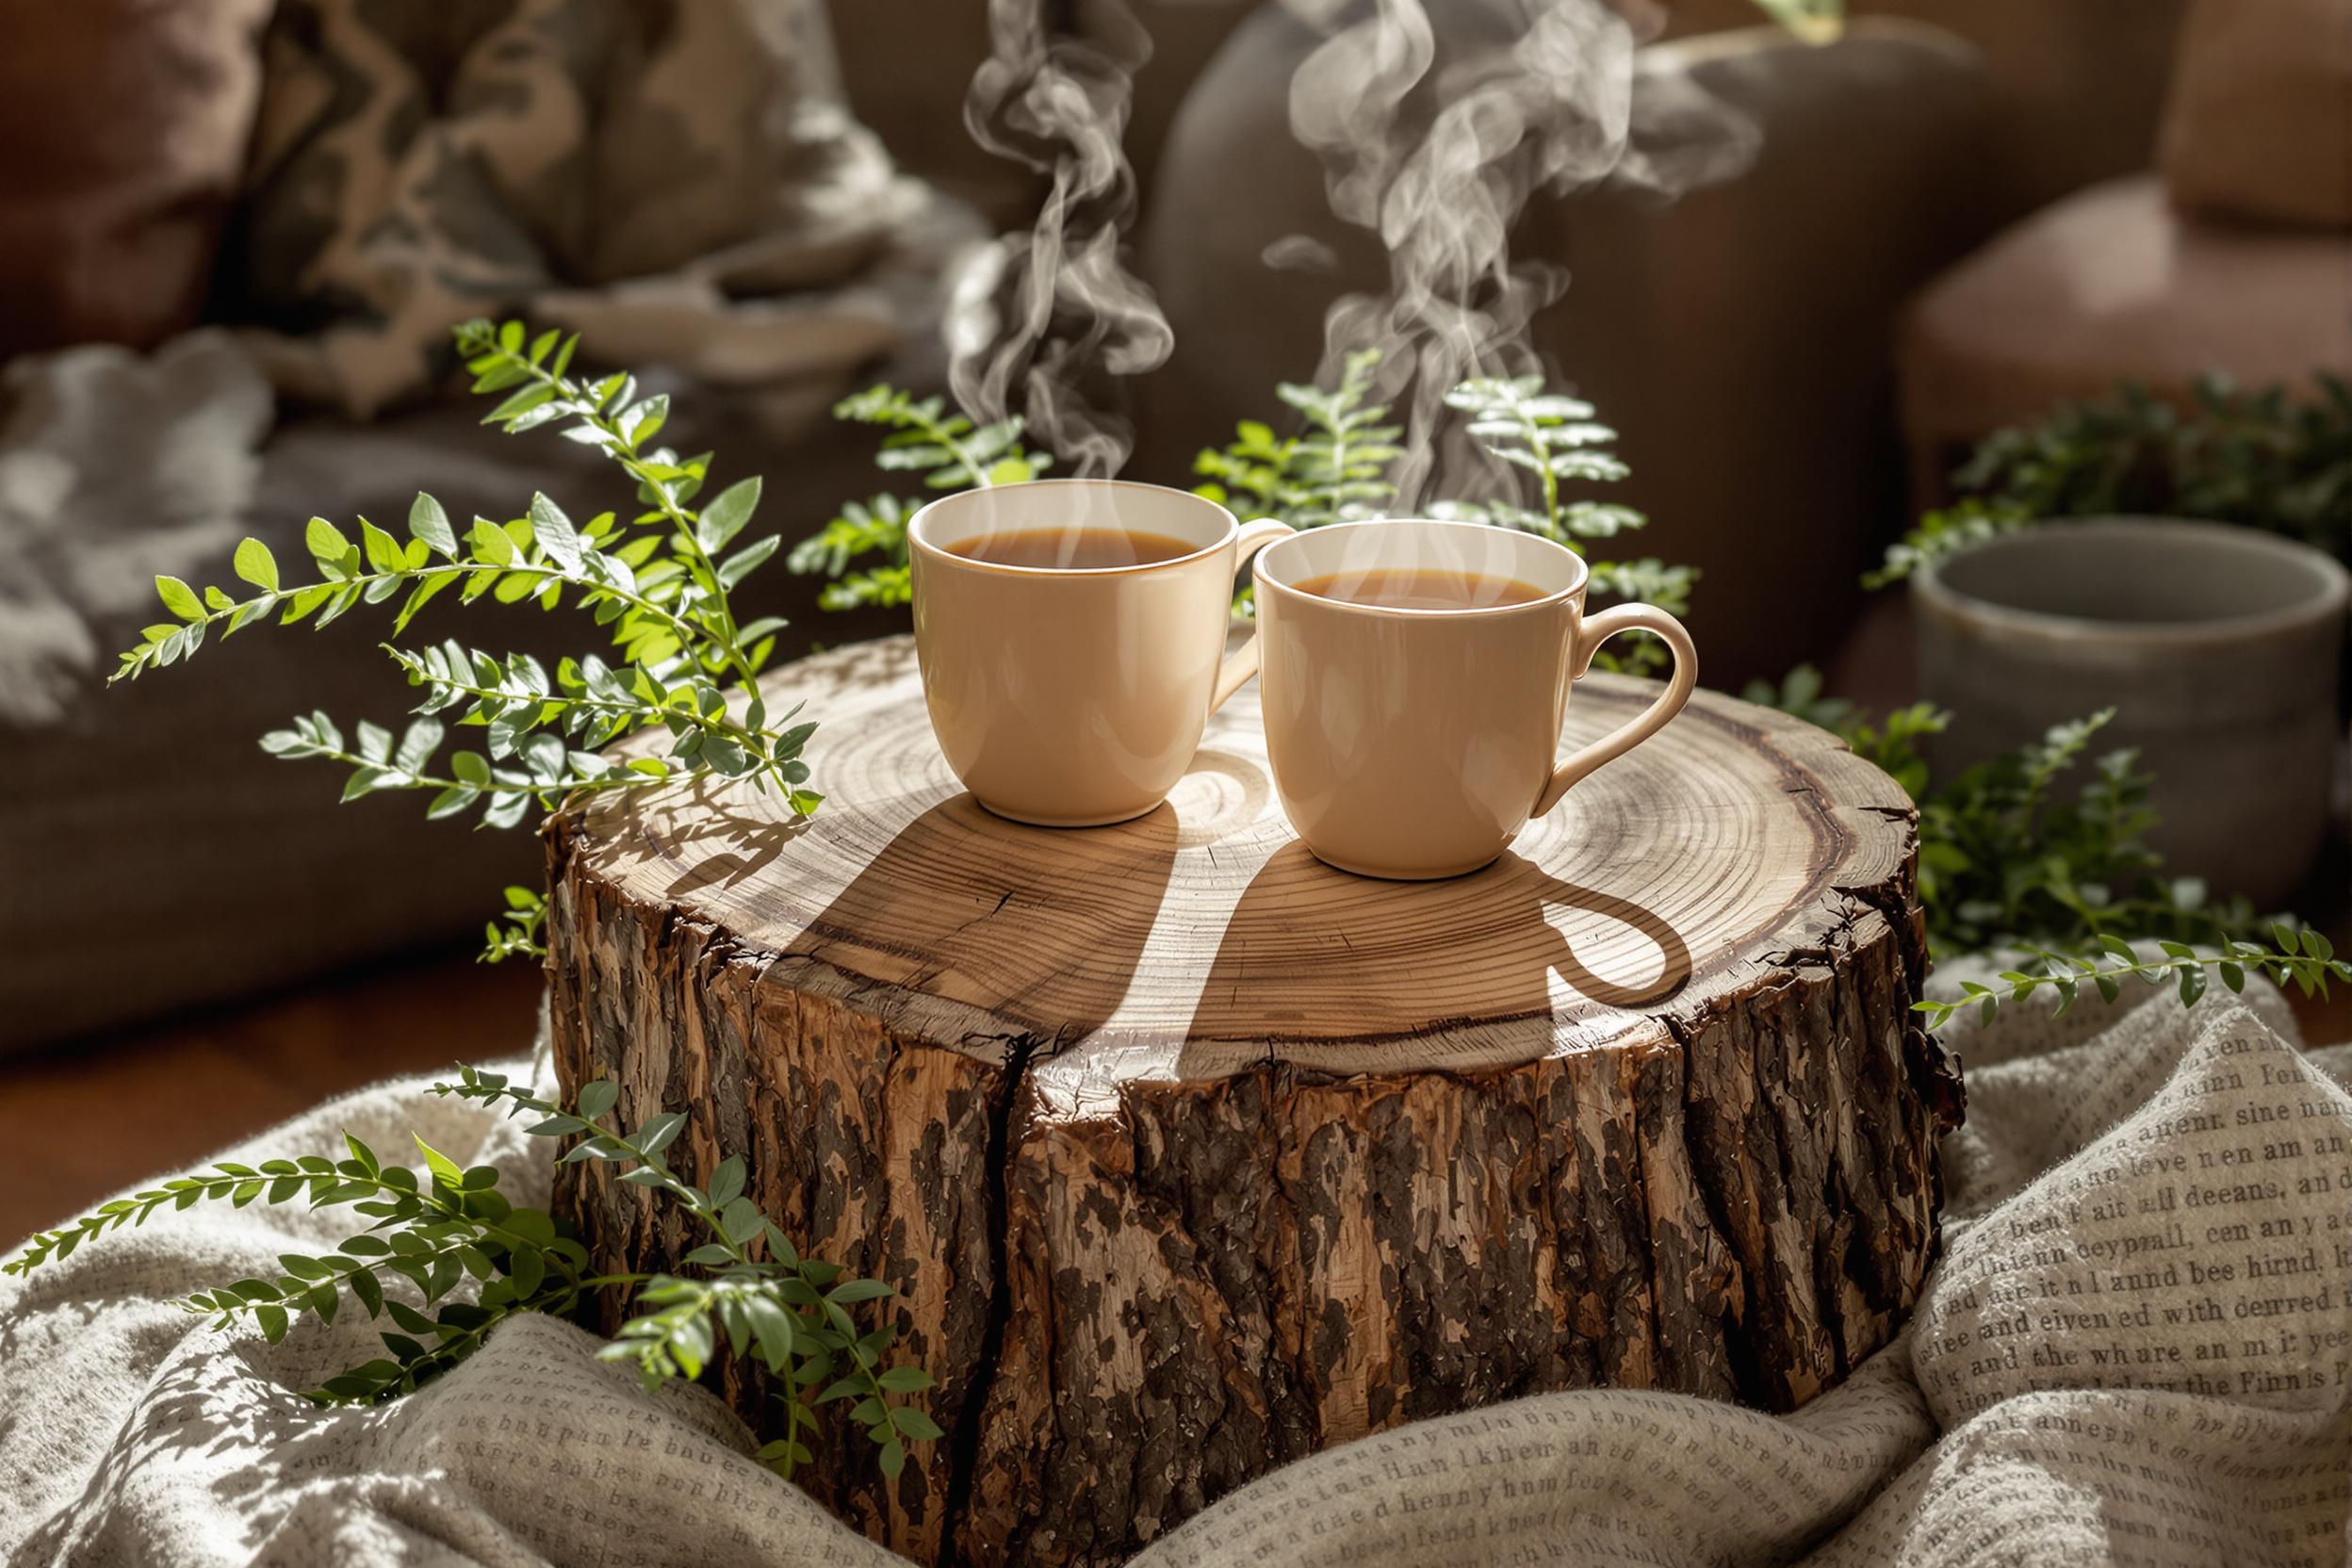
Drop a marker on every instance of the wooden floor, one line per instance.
(78, 1124)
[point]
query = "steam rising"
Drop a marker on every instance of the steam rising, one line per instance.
(1048, 313)
(1433, 142)
(1437, 145)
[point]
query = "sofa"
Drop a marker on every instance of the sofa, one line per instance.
(2230, 251)
(152, 859)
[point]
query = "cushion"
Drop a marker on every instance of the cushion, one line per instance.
(2113, 283)
(414, 166)
(2259, 126)
(126, 124)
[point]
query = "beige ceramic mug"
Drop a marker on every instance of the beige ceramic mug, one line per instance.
(1066, 694)
(1415, 743)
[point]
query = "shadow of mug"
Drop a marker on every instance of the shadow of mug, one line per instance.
(1039, 924)
(1312, 952)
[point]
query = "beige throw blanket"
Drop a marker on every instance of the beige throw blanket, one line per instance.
(2134, 1351)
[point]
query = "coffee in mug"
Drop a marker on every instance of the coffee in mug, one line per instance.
(1416, 678)
(1420, 588)
(1071, 637)
(1073, 549)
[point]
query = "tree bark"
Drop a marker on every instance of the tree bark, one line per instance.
(1189, 1155)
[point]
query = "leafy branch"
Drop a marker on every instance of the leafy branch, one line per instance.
(434, 1231)
(1337, 470)
(787, 1313)
(861, 528)
(660, 581)
(1553, 437)
(2301, 957)
(955, 453)
(2005, 862)
(1890, 743)
(2265, 457)
(1940, 535)
(1334, 470)
(1335, 467)
(2002, 861)
(519, 936)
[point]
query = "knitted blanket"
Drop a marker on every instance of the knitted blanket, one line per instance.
(2135, 1350)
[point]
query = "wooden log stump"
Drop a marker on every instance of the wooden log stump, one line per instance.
(1191, 1155)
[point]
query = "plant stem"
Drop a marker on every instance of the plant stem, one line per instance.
(624, 449)
(1539, 443)
(2308, 962)
(363, 580)
(937, 432)
(564, 786)
(721, 726)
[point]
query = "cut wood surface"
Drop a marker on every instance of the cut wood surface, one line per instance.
(1190, 1155)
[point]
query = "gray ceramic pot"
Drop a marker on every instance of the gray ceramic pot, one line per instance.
(2220, 647)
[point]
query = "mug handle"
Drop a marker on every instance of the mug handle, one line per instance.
(1590, 634)
(1243, 662)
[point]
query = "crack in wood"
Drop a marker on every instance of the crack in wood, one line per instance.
(964, 1450)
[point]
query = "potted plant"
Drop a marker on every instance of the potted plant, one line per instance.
(2183, 567)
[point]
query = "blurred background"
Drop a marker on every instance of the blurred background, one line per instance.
(234, 234)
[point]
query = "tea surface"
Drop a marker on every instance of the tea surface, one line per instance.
(1421, 588)
(1073, 549)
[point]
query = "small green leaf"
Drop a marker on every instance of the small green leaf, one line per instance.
(555, 534)
(256, 564)
(745, 561)
(657, 1132)
(325, 541)
(913, 1423)
(180, 599)
(543, 754)
(417, 744)
(455, 801)
(382, 550)
(725, 518)
(444, 1168)
(429, 523)
(726, 1183)
(520, 405)
(491, 542)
